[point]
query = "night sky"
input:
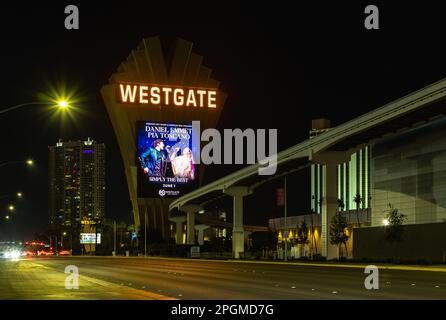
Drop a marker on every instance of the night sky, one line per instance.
(281, 67)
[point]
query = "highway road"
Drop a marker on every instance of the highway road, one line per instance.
(153, 278)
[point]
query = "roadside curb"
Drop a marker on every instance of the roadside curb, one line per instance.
(309, 264)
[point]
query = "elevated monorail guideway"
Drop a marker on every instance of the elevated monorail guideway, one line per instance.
(329, 149)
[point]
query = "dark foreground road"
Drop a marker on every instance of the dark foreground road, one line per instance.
(139, 278)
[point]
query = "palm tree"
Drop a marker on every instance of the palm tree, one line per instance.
(313, 240)
(341, 205)
(302, 236)
(338, 232)
(358, 200)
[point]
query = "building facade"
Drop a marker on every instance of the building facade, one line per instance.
(405, 170)
(353, 177)
(409, 172)
(76, 187)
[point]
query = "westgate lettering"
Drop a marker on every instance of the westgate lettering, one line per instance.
(167, 95)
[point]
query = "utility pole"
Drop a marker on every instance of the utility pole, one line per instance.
(114, 222)
(95, 238)
(145, 234)
(286, 230)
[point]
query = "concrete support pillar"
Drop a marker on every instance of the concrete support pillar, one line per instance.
(179, 228)
(190, 210)
(201, 228)
(238, 234)
(190, 237)
(330, 161)
(329, 208)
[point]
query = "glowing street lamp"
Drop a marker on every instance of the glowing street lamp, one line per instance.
(30, 162)
(7, 217)
(63, 104)
(19, 195)
(385, 222)
(11, 207)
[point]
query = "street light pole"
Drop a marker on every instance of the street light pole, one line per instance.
(19, 106)
(28, 162)
(145, 234)
(286, 231)
(61, 104)
(19, 195)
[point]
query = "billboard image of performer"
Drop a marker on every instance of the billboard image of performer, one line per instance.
(165, 158)
(154, 159)
(183, 166)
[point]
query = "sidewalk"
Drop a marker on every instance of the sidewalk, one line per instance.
(385, 266)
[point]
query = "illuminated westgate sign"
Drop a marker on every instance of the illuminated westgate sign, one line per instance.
(158, 95)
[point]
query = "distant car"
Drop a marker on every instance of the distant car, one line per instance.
(64, 253)
(44, 253)
(28, 253)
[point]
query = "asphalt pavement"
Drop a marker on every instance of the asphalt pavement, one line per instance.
(157, 278)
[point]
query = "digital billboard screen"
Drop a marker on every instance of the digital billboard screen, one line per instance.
(166, 167)
(90, 238)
